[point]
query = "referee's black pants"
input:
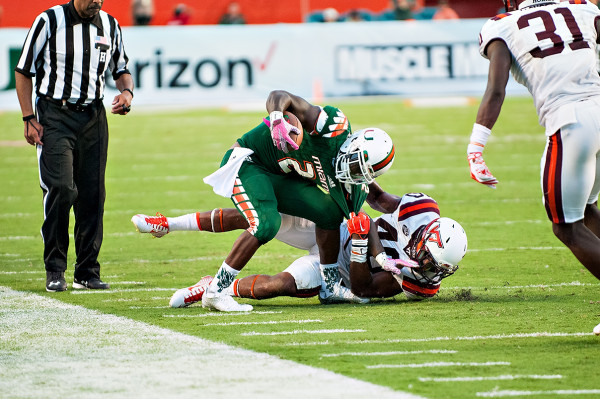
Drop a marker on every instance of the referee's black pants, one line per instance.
(72, 164)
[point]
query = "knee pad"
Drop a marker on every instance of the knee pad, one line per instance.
(266, 226)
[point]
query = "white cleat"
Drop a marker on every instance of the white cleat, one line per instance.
(155, 225)
(341, 294)
(187, 296)
(597, 330)
(224, 303)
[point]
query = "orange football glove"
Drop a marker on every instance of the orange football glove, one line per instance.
(359, 224)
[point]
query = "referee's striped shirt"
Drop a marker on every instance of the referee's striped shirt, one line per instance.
(69, 55)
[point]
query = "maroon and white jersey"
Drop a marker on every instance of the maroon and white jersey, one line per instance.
(554, 56)
(399, 233)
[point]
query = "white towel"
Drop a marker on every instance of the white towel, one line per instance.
(223, 179)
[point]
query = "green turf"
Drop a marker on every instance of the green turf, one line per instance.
(516, 279)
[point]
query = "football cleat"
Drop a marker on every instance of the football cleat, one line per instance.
(223, 303)
(155, 225)
(341, 294)
(187, 296)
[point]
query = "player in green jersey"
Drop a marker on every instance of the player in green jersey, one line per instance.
(324, 179)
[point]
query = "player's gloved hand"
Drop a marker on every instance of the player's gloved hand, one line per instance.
(394, 265)
(359, 224)
(479, 170)
(280, 131)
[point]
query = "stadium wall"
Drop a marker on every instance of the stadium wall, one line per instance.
(227, 65)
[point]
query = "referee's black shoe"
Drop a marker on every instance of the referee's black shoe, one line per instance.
(92, 284)
(55, 281)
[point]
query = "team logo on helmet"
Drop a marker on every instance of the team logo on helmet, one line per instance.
(441, 246)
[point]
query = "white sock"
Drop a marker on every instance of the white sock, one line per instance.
(329, 277)
(187, 222)
(223, 279)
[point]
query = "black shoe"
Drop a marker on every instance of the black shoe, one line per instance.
(55, 281)
(92, 284)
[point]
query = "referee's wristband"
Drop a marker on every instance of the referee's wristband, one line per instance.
(129, 90)
(28, 117)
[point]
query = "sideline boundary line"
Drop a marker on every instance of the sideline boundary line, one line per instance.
(48, 344)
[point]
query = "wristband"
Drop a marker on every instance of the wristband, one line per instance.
(129, 90)
(479, 138)
(28, 117)
(381, 259)
(275, 115)
(358, 252)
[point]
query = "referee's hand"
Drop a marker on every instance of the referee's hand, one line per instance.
(33, 132)
(122, 103)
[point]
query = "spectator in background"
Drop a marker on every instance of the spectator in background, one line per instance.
(330, 15)
(142, 11)
(402, 9)
(354, 15)
(233, 15)
(181, 15)
(416, 6)
(444, 11)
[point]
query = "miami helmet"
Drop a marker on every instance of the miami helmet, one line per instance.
(364, 155)
(442, 245)
(513, 5)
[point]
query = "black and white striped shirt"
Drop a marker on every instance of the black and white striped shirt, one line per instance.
(69, 55)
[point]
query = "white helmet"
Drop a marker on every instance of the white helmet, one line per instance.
(443, 243)
(365, 154)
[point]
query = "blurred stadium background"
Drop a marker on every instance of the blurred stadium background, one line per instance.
(255, 11)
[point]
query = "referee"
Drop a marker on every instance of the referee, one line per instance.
(68, 49)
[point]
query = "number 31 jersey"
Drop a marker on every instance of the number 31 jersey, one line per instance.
(554, 55)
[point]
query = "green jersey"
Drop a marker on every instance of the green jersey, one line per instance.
(314, 160)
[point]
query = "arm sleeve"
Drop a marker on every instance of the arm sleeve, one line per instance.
(33, 46)
(119, 60)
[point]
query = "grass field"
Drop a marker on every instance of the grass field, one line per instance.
(515, 320)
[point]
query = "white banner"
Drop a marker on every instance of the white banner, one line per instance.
(215, 65)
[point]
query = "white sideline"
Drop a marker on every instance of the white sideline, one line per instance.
(52, 349)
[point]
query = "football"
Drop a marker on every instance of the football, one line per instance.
(293, 120)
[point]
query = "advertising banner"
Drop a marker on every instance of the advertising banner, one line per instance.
(216, 65)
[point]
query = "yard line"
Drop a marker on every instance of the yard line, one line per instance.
(257, 323)
(495, 378)
(437, 364)
(517, 248)
(112, 291)
(437, 339)
(508, 222)
(223, 314)
(501, 394)
(439, 351)
(40, 272)
(333, 331)
(571, 284)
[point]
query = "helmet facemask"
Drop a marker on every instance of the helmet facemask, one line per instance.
(352, 167)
